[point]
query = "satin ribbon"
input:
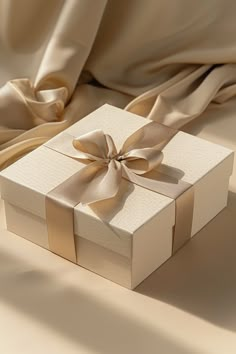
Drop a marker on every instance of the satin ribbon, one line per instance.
(100, 179)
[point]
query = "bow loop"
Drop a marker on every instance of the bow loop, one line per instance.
(149, 136)
(94, 146)
(141, 161)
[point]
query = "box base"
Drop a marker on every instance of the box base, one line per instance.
(102, 261)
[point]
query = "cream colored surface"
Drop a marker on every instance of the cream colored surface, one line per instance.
(141, 220)
(186, 307)
(60, 59)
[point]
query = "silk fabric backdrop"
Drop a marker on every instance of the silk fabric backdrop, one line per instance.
(61, 59)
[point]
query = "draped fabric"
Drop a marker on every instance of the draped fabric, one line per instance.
(61, 59)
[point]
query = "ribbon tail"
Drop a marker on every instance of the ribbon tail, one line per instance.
(103, 185)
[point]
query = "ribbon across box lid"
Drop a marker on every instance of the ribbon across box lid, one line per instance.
(101, 177)
(186, 158)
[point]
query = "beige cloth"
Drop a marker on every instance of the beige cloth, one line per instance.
(61, 59)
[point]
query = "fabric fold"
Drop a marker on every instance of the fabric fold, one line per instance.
(62, 59)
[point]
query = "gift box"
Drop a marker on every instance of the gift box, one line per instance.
(116, 193)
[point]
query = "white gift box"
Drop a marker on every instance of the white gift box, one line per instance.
(137, 236)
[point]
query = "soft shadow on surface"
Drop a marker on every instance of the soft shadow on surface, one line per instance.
(165, 173)
(2, 216)
(217, 122)
(201, 277)
(78, 315)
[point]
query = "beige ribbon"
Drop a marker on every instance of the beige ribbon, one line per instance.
(100, 179)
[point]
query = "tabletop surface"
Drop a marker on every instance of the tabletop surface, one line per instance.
(188, 306)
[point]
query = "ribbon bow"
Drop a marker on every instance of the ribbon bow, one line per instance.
(101, 178)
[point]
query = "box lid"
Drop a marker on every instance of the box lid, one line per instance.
(26, 182)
